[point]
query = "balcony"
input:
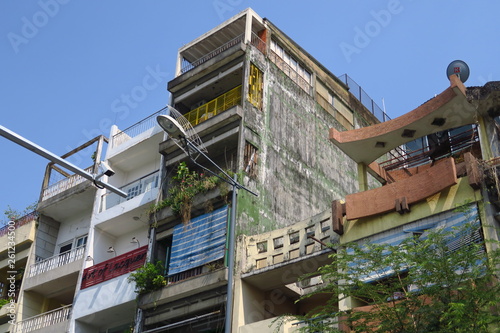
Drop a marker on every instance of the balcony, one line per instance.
(52, 321)
(215, 106)
(189, 65)
(268, 259)
(137, 129)
(22, 232)
(55, 277)
(62, 188)
(114, 267)
(140, 186)
(106, 297)
(56, 261)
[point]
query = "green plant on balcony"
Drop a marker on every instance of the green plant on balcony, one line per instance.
(148, 278)
(4, 301)
(186, 185)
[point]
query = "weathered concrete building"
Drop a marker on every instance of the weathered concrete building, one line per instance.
(262, 106)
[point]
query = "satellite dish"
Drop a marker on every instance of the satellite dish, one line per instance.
(179, 128)
(459, 68)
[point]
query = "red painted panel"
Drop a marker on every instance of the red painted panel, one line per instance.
(112, 268)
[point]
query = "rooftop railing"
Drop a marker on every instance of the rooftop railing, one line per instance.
(64, 184)
(133, 189)
(138, 128)
(18, 223)
(187, 66)
(363, 97)
(56, 261)
(43, 320)
(214, 107)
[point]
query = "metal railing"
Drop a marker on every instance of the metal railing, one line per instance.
(363, 97)
(43, 320)
(56, 261)
(409, 159)
(18, 223)
(258, 43)
(133, 189)
(138, 128)
(64, 184)
(290, 72)
(187, 66)
(214, 107)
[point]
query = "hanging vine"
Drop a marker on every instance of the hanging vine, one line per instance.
(185, 186)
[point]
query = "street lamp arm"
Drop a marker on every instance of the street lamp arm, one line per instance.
(16, 138)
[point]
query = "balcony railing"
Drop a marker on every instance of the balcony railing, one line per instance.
(137, 128)
(18, 223)
(214, 107)
(258, 43)
(43, 320)
(363, 97)
(409, 159)
(298, 240)
(64, 184)
(187, 66)
(56, 261)
(137, 187)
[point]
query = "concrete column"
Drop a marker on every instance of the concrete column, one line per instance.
(483, 139)
(362, 177)
(248, 28)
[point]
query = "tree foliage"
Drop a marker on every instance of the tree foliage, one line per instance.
(148, 278)
(443, 281)
(12, 214)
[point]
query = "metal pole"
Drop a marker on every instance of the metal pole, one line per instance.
(16, 138)
(230, 259)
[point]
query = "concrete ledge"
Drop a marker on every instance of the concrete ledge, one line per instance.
(184, 289)
(413, 189)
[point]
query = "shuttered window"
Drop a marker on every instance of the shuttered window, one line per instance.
(255, 86)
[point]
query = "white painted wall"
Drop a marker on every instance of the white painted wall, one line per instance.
(104, 295)
(75, 226)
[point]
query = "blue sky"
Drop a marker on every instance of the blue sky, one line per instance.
(67, 65)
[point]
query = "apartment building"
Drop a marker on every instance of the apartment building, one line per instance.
(262, 106)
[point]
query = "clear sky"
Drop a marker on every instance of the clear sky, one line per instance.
(66, 65)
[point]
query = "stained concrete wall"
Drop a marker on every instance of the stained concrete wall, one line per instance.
(46, 237)
(299, 172)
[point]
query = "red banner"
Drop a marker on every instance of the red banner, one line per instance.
(112, 268)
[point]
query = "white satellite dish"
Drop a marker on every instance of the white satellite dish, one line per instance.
(179, 129)
(459, 68)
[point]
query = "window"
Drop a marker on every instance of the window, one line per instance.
(255, 83)
(250, 159)
(74, 243)
(81, 241)
(292, 67)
